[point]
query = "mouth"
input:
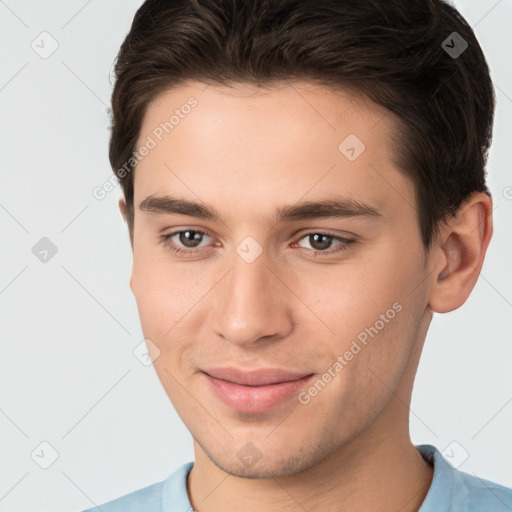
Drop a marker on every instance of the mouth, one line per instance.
(257, 391)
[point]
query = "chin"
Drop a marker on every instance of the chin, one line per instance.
(249, 462)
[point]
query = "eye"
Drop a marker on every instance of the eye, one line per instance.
(187, 242)
(189, 238)
(320, 242)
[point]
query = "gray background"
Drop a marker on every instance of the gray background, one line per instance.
(68, 375)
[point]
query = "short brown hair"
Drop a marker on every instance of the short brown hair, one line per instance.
(392, 51)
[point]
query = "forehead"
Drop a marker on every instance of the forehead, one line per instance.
(279, 144)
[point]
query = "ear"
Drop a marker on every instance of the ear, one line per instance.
(459, 253)
(122, 207)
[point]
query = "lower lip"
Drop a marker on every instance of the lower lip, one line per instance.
(255, 399)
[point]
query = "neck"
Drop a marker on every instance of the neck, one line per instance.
(376, 471)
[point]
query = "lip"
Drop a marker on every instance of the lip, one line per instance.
(256, 377)
(255, 391)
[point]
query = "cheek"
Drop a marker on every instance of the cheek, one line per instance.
(371, 316)
(348, 298)
(368, 359)
(162, 290)
(170, 298)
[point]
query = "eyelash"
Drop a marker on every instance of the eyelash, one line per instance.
(345, 242)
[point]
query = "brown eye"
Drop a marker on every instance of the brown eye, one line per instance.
(190, 239)
(321, 242)
(184, 241)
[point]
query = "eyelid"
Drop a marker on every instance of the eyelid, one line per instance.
(323, 231)
(344, 242)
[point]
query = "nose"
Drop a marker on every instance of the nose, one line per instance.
(252, 305)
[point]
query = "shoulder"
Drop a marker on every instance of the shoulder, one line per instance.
(480, 494)
(454, 490)
(147, 498)
(150, 498)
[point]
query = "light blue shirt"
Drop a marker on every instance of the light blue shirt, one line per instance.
(451, 491)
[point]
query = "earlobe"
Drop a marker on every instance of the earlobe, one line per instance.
(460, 252)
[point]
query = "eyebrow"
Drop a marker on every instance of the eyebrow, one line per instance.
(336, 208)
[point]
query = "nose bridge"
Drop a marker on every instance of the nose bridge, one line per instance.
(250, 304)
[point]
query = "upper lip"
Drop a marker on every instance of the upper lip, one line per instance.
(255, 377)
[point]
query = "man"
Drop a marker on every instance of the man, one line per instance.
(304, 186)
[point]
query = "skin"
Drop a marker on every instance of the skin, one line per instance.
(247, 152)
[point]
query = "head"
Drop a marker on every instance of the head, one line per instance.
(335, 153)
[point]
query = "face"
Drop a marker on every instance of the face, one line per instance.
(260, 276)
